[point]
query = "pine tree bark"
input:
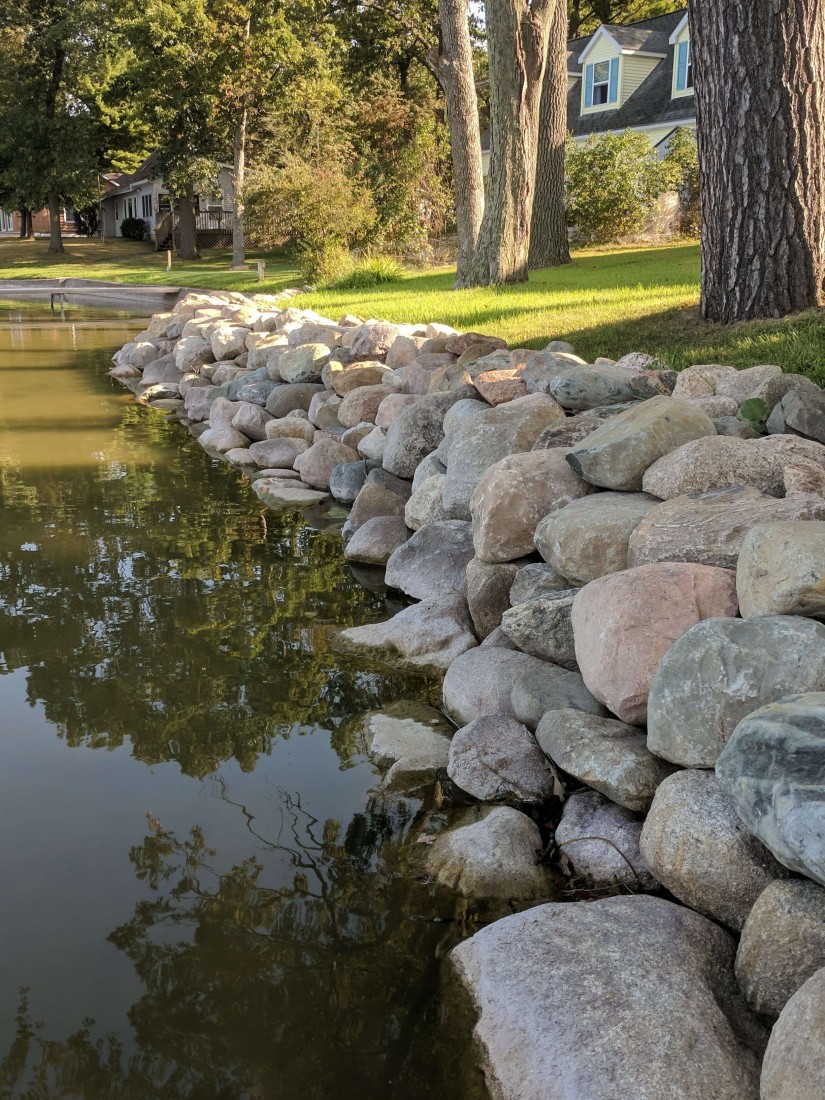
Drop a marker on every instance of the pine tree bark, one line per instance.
(517, 37)
(548, 235)
(187, 230)
(454, 70)
(55, 238)
(760, 105)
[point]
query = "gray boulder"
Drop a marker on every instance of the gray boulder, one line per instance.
(534, 580)
(587, 387)
(781, 570)
(426, 504)
(273, 453)
(316, 464)
(411, 740)
(773, 767)
(347, 480)
(543, 628)
(720, 671)
(599, 841)
(283, 399)
(551, 984)
(284, 494)
(618, 454)
(429, 635)
(794, 1066)
(546, 688)
(488, 593)
(304, 363)
(434, 560)
(782, 944)
(480, 682)
(607, 755)
(416, 433)
(589, 538)
(496, 759)
(376, 540)
(694, 844)
(495, 857)
(799, 411)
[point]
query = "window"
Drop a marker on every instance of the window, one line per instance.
(684, 67)
(602, 83)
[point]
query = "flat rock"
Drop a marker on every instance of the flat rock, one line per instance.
(496, 759)
(542, 627)
(479, 683)
(488, 594)
(782, 944)
(609, 756)
(624, 624)
(722, 670)
(781, 570)
(376, 540)
(773, 766)
(548, 985)
(433, 561)
(411, 740)
(711, 528)
(619, 453)
(429, 635)
(589, 538)
(274, 453)
(600, 842)
(546, 687)
(495, 857)
(282, 493)
(587, 387)
(794, 1066)
(695, 845)
(512, 497)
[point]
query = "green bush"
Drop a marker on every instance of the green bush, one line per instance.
(682, 166)
(134, 229)
(371, 271)
(613, 181)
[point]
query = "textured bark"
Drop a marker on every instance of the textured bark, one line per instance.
(454, 69)
(760, 104)
(55, 238)
(239, 174)
(187, 231)
(517, 36)
(548, 235)
(52, 197)
(26, 227)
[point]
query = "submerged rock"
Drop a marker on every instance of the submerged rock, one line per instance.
(428, 635)
(411, 740)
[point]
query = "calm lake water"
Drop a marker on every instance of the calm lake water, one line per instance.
(205, 892)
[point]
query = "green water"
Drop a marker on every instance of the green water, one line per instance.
(205, 892)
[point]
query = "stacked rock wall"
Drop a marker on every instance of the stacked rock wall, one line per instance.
(623, 585)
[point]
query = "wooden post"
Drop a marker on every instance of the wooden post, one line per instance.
(168, 259)
(261, 271)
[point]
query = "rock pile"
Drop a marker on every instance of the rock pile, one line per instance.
(623, 586)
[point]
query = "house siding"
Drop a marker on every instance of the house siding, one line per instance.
(604, 50)
(635, 70)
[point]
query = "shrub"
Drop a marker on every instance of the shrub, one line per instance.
(682, 166)
(371, 271)
(613, 181)
(134, 229)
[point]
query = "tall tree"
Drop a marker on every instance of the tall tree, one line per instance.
(517, 38)
(760, 104)
(548, 236)
(587, 15)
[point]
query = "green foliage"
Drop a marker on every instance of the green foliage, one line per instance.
(322, 210)
(586, 15)
(134, 229)
(370, 271)
(681, 165)
(613, 180)
(755, 412)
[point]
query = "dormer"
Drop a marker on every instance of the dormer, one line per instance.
(682, 62)
(615, 62)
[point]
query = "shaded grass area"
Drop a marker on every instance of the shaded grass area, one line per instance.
(605, 303)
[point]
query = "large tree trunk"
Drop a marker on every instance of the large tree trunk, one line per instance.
(187, 230)
(517, 35)
(239, 173)
(26, 227)
(760, 104)
(548, 235)
(55, 238)
(455, 74)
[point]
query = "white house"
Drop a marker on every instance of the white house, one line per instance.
(143, 194)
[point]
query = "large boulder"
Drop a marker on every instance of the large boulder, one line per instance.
(722, 670)
(372, 501)
(426, 504)
(416, 432)
(229, 341)
(711, 528)
(514, 495)
(607, 755)
(624, 624)
(782, 944)
(360, 405)
(695, 845)
(290, 427)
(316, 464)
(429, 635)
(536, 579)
(191, 352)
(284, 399)
(251, 420)
(543, 628)
(273, 454)
(582, 387)
(347, 479)
(367, 374)
(304, 363)
(371, 340)
(493, 435)
(599, 841)
(781, 570)
(589, 538)
(623, 997)
(496, 759)
(794, 1066)
(480, 682)
(495, 857)
(434, 560)
(376, 540)
(773, 766)
(488, 593)
(546, 687)
(411, 740)
(618, 454)
(800, 412)
(222, 439)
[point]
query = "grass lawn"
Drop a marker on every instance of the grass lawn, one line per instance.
(605, 303)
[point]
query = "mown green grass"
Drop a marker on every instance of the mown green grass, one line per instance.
(605, 302)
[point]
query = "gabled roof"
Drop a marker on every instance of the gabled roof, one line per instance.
(122, 181)
(635, 38)
(677, 30)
